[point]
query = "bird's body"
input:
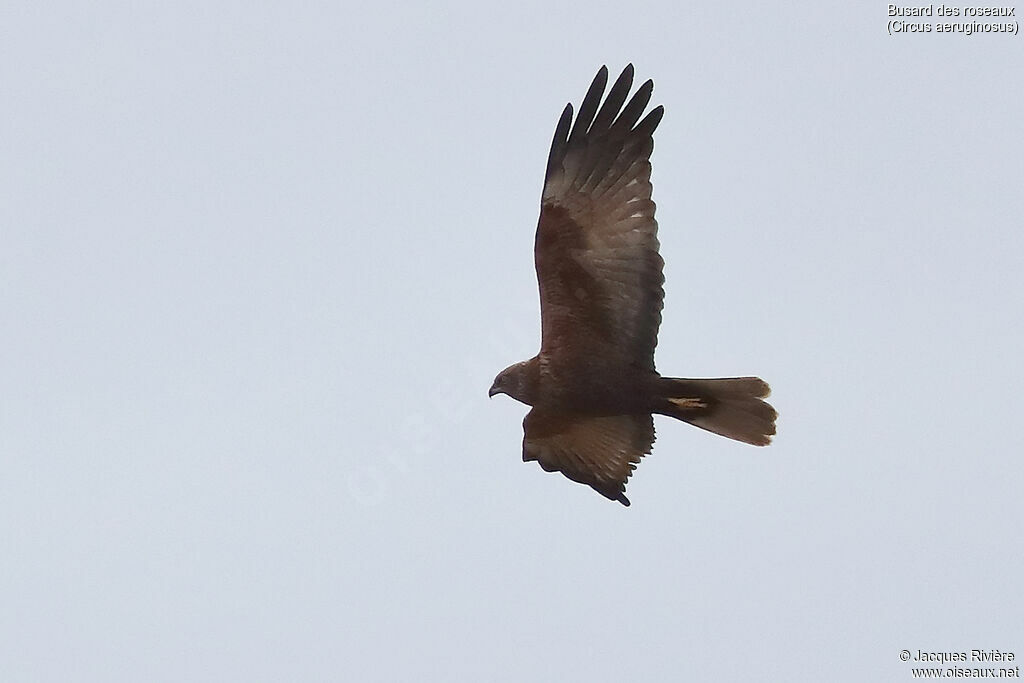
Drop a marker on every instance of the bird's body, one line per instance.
(595, 389)
(593, 386)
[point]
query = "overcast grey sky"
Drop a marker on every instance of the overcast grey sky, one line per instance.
(259, 265)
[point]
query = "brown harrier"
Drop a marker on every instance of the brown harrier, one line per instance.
(593, 386)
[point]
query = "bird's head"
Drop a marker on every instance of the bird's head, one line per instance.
(513, 381)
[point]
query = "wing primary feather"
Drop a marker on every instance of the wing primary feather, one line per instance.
(631, 114)
(650, 122)
(559, 142)
(613, 103)
(602, 166)
(589, 105)
(601, 156)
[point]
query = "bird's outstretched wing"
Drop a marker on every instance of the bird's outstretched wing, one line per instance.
(600, 452)
(596, 250)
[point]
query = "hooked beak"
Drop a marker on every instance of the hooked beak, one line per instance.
(493, 390)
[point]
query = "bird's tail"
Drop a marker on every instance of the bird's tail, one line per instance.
(731, 406)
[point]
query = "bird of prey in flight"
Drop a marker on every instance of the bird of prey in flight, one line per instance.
(592, 387)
